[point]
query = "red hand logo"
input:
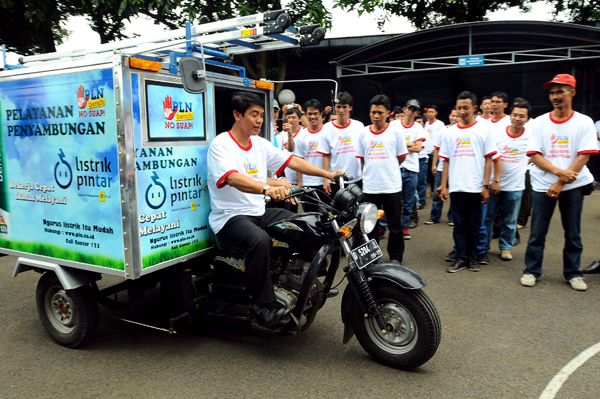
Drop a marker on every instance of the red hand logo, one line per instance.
(81, 98)
(168, 106)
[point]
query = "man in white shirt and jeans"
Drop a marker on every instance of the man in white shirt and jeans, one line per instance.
(238, 162)
(560, 149)
(414, 135)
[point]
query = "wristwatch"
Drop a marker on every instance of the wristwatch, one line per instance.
(265, 188)
(486, 186)
(497, 180)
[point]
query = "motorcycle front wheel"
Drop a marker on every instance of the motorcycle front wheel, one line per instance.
(413, 330)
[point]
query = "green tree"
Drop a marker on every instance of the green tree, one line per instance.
(425, 14)
(34, 26)
(577, 11)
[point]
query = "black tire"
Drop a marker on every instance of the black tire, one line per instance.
(402, 349)
(70, 317)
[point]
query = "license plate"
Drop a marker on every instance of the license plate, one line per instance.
(366, 254)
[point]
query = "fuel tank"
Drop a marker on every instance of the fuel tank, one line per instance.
(300, 233)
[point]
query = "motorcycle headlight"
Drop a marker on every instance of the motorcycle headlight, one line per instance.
(367, 217)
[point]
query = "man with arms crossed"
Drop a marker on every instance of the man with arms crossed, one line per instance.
(238, 162)
(339, 142)
(467, 149)
(560, 149)
(381, 149)
(512, 143)
(414, 135)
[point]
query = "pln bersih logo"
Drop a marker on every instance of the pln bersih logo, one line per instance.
(92, 98)
(3, 226)
(179, 110)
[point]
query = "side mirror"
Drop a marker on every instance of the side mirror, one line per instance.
(193, 75)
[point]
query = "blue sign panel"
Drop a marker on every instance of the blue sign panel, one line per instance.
(470, 61)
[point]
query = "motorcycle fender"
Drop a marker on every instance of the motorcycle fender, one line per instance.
(348, 302)
(397, 274)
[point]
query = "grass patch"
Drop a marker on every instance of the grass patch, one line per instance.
(55, 251)
(168, 254)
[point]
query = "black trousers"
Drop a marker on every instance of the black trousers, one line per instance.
(392, 205)
(525, 211)
(248, 233)
(466, 214)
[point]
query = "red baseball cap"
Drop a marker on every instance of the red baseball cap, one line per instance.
(562, 79)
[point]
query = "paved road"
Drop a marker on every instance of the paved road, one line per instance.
(500, 340)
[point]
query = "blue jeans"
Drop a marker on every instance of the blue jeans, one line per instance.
(510, 201)
(570, 204)
(422, 184)
(409, 187)
(438, 204)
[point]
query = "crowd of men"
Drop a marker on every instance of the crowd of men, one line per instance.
(479, 162)
(493, 161)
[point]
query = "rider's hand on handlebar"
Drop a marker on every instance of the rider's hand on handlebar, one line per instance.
(277, 193)
(332, 175)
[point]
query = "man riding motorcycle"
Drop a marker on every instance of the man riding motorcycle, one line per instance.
(237, 180)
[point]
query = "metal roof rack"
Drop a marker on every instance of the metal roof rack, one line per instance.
(219, 40)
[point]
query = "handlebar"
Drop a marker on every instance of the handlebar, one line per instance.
(292, 191)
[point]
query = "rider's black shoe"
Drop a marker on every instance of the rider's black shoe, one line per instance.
(333, 292)
(267, 315)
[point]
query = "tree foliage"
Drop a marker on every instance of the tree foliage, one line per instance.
(577, 11)
(425, 14)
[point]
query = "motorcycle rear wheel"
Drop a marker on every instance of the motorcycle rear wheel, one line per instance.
(413, 327)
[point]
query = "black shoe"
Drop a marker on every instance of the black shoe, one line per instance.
(458, 265)
(474, 265)
(594, 268)
(395, 262)
(451, 257)
(407, 236)
(268, 316)
(431, 221)
(482, 259)
(333, 292)
(420, 206)
(517, 242)
(450, 222)
(412, 225)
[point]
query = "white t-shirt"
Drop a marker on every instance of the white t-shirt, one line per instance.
(227, 156)
(561, 143)
(306, 144)
(598, 133)
(380, 152)
(500, 123)
(438, 144)
(290, 174)
(466, 149)
(483, 119)
(414, 133)
(340, 144)
(432, 132)
(512, 152)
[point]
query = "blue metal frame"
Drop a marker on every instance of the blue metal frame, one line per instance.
(4, 64)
